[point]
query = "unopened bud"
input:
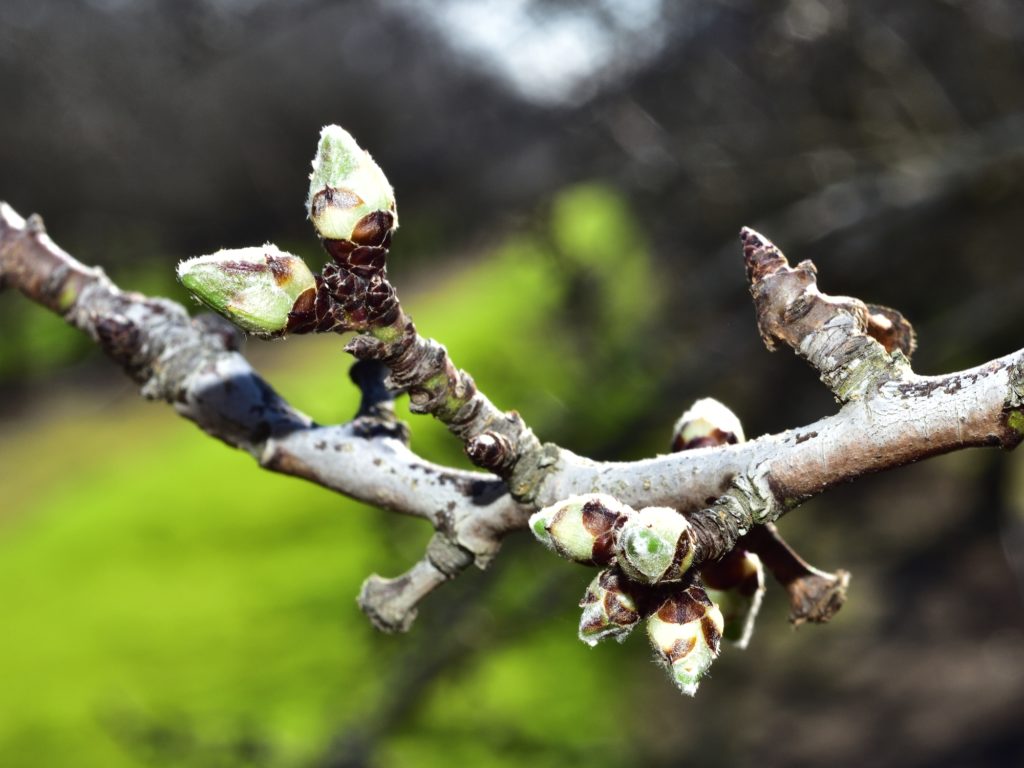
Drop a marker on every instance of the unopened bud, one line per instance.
(686, 633)
(255, 288)
(350, 198)
(706, 423)
(609, 608)
(655, 546)
(581, 528)
(736, 585)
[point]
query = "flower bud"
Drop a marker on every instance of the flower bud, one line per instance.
(655, 546)
(706, 423)
(350, 198)
(581, 528)
(686, 633)
(736, 584)
(255, 288)
(609, 608)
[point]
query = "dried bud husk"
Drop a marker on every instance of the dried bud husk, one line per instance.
(685, 632)
(350, 198)
(736, 584)
(706, 423)
(255, 288)
(581, 528)
(655, 546)
(609, 608)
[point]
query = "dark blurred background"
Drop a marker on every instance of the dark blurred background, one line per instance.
(571, 177)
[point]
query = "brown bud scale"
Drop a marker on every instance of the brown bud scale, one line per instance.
(684, 606)
(490, 450)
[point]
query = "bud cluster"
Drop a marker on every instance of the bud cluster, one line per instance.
(269, 293)
(646, 556)
(684, 625)
(652, 546)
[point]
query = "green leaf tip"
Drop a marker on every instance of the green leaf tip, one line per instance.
(655, 545)
(350, 198)
(580, 528)
(255, 288)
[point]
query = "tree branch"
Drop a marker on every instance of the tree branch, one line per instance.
(194, 365)
(890, 416)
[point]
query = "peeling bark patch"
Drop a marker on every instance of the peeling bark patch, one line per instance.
(1016, 381)
(287, 463)
(920, 388)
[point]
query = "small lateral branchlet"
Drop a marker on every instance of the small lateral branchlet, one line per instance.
(376, 414)
(854, 347)
(814, 595)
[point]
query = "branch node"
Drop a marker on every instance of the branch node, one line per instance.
(447, 556)
(814, 595)
(492, 451)
(391, 604)
(854, 348)
(117, 335)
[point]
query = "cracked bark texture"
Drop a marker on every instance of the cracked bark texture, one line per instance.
(889, 416)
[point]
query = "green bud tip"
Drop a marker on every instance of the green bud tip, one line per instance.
(685, 633)
(350, 198)
(609, 610)
(581, 528)
(706, 423)
(255, 288)
(655, 546)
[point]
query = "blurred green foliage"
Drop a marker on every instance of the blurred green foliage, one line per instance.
(165, 602)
